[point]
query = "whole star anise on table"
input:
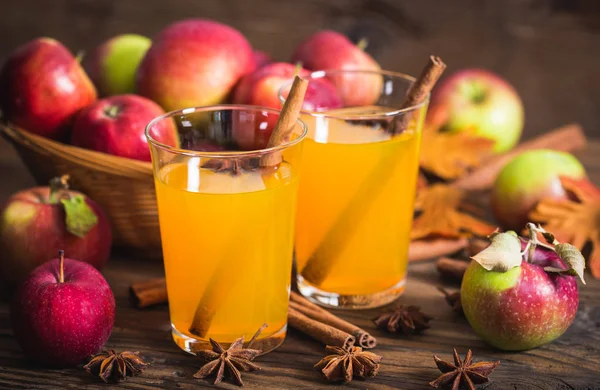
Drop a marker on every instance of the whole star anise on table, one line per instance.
(462, 375)
(230, 362)
(114, 367)
(574, 221)
(404, 319)
(344, 364)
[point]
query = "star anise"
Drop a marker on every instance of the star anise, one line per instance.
(443, 214)
(462, 375)
(404, 319)
(574, 221)
(114, 367)
(453, 299)
(230, 362)
(344, 364)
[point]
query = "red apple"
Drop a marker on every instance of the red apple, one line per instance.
(37, 222)
(262, 88)
(479, 101)
(528, 178)
(42, 87)
(194, 62)
(113, 64)
(116, 125)
(62, 313)
(521, 306)
(329, 50)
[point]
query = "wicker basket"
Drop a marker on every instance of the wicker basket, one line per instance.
(123, 187)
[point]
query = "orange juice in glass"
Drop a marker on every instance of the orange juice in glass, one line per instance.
(226, 226)
(357, 189)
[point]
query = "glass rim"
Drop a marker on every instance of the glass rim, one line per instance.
(383, 115)
(221, 154)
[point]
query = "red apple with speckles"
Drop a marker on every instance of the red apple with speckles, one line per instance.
(521, 308)
(330, 50)
(194, 62)
(42, 87)
(61, 317)
(33, 227)
(116, 125)
(262, 88)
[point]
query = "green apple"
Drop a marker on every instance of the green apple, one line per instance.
(112, 65)
(479, 101)
(528, 178)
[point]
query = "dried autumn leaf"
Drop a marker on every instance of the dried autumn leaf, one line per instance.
(574, 221)
(451, 155)
(442, 216)
(502, 254)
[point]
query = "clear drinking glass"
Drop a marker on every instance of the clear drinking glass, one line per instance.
(357, 187)
(226, 222)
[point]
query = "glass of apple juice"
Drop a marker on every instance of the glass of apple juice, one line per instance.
(226, 206)
(357, 187)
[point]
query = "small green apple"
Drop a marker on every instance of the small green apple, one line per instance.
(479, 101)
(112, 66)
(528, 178)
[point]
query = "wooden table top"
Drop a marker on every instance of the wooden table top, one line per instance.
(571, 362)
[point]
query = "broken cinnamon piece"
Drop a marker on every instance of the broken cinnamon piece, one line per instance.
(431, 248)
(304, 306)
(452, 269)
(574, 221)
(567, 139)
(476, 245)
(148, 292)
(319, 331)
(441, 215)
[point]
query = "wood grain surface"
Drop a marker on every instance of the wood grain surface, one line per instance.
(571, 362)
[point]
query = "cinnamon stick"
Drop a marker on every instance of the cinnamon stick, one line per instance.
(287, 120)
(567, 139)
(223, 279)
(309, 309)
(476, 245)
(452, 269)
(148, 292)
(319, 331)
(420, 250)
(320, 262)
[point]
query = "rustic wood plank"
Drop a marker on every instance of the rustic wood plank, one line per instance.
(571, 362)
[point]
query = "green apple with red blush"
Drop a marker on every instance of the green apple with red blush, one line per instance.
(113, 64)
(527, 179)
(518, 294)
(479, 101)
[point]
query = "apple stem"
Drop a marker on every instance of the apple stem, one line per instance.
(61, 266)
(57, 186)
(362, 43)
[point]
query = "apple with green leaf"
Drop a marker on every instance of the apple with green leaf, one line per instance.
(519, 294)
(479, 101)
(35, 223)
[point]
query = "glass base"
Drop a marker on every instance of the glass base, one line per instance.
(192, 345)
(334, 300)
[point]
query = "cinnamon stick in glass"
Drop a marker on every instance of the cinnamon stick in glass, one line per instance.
(319, 331)
(306, 307)
(222, 280)
(319, 264)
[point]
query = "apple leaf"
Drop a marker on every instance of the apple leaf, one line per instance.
(502, 254)
(80, 217)
(574, 259)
